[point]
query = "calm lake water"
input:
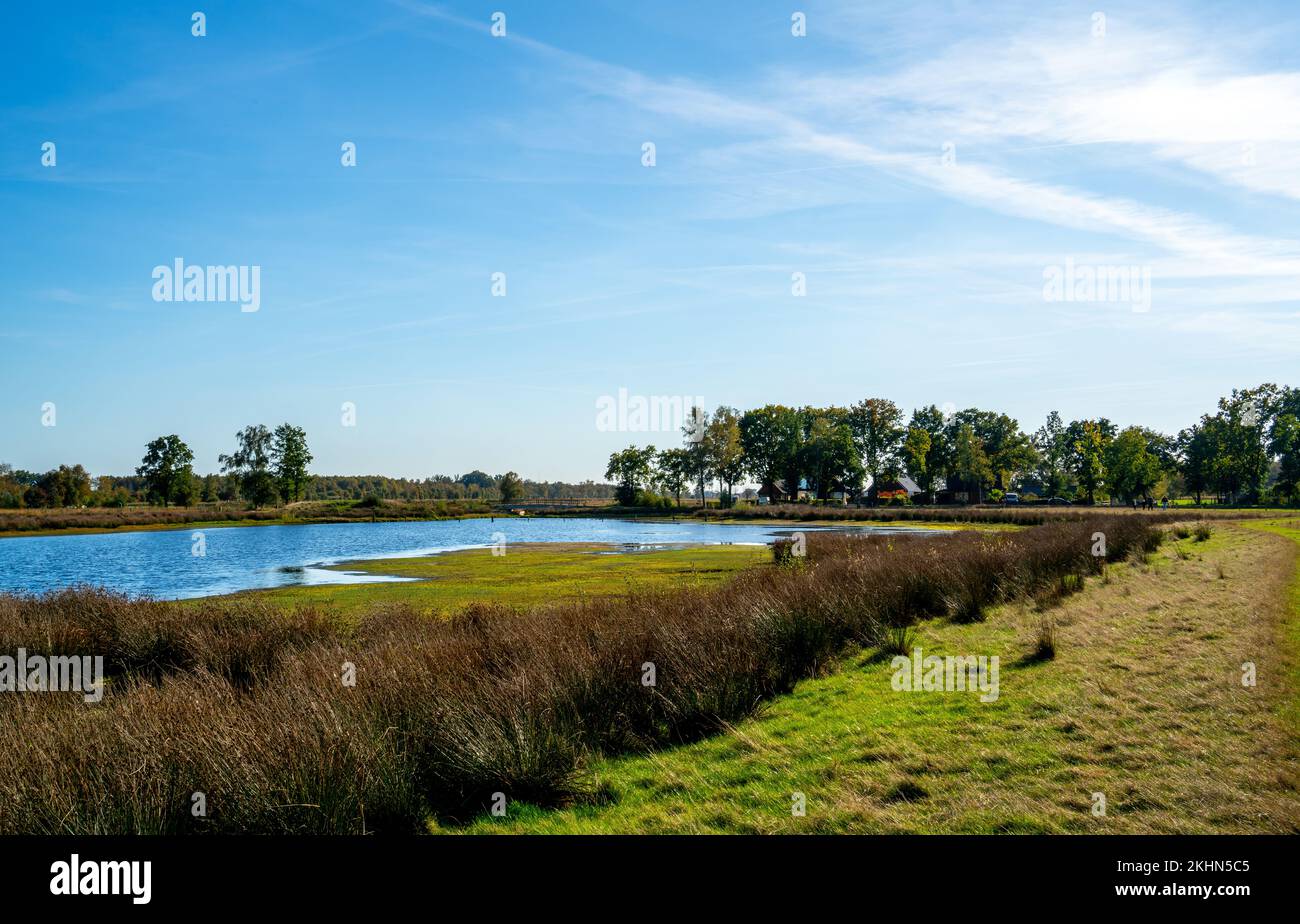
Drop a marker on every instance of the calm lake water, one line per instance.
(161, 563)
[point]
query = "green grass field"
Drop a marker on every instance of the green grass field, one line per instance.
(1143, 703)
(1289, 528)
(527, 575)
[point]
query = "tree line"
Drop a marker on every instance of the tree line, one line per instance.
(266, 466)
(474, 485)
(1245, 452)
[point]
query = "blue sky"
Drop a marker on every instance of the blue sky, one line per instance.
(1166, 137)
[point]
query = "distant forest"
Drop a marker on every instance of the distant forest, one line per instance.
(73, 486)
(475, 485)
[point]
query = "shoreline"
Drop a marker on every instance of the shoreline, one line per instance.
(224, 524)
(946, 518)
(638, 518)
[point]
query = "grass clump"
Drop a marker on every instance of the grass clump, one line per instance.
(1045, 640)
(897, 640)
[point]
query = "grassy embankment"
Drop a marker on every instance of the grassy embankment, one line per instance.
(1143, 702)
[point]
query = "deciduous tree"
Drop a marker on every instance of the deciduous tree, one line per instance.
(726, 455)
(1135, 462)
(630, 469)
(510, 487)
(878, 434)
(166, 469)
(251, 462)
(770, 437)
(290, 458)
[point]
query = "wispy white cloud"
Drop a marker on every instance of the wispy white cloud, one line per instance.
(1180, 94)
(1137, 98)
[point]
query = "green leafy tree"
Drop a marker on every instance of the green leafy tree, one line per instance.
(695, 438)
(630, 470)
(878, 434)
(1052, 446)
(916, 459)
(72, 486)
(289, 459)
(673, 469)
(1198, 450)
(1009, 451)
(477, 479)
(42, 493)
(971, 462)
(166, 468)
(110, 494)
(770, 438)
(251, 462)
(11, 488)
(187, 489)
(65, 486)
(939, 455)
(511, 487)
(726, 454)
(228, 489)
(259, 488)
(1243, 459)
(1285, 442)
(1136, 462)
(829, 457)
(1088, 457)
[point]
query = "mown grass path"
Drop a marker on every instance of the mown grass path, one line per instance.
(1143, 703)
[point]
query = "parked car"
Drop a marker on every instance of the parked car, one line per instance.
(1058, 502)
(1011, 497)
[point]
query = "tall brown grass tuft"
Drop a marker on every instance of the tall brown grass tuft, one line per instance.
(248, 705)
(1045, 641)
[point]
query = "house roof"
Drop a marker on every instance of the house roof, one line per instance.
(902, 482)
(779, 487)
